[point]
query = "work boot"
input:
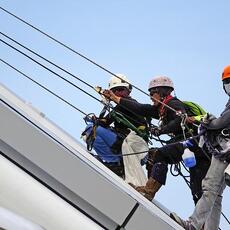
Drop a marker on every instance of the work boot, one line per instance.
(186, 224)
(150, 189)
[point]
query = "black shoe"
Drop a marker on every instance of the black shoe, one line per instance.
(183, 223)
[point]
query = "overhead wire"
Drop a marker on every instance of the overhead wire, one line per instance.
(58, 75)
(40, 63)
(45, 88)
(62, 44)
(81, 55)
(35, 53)
(86, 58)
(47, 60)
(53, 72)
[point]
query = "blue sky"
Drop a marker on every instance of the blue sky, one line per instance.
(187, 41)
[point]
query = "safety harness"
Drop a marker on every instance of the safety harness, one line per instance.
(217, 142)
(140, 130)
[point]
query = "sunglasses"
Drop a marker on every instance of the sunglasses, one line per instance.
(153, 92)
(119, 89)
(226, 81)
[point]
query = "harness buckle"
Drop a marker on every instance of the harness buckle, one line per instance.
(225, 132)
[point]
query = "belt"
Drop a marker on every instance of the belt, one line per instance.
(112, 163)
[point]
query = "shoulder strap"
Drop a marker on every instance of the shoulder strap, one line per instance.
(121, 119)
(165, 101)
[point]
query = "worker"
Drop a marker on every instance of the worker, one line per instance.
(216, 138)
(167, 110)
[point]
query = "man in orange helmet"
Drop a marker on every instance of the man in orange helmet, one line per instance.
(217, 140)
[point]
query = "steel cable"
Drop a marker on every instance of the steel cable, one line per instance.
(45, 88)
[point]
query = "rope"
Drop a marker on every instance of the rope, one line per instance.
(178, 168)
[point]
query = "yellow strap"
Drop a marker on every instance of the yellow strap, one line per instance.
(141, 127)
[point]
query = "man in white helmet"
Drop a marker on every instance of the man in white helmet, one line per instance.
(166, 108)
(119, 85)
(121, 88)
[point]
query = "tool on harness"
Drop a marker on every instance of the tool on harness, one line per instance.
(183, 125)
(89, 118)
(217, 142)
(89, 134)
(140, 131)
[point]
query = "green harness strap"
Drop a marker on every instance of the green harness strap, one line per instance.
(121, 119)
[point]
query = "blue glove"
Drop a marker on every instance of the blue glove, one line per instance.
(144, 160)
(188, 143)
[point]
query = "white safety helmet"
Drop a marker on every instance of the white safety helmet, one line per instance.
(161, 81)
(122, 81)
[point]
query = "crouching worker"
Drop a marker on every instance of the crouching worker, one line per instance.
(103, 141)
(115, 132)
(131, 126)
(217, 139)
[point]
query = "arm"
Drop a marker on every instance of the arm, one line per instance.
(173, 121)
(220, 123)
(145, 110)
(173, 126)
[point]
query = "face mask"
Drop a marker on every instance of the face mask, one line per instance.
(227, 88)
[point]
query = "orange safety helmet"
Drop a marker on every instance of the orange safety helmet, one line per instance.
(226, 73)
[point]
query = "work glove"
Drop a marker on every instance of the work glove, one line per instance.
(156, 131)
(207, 118)
(144, 160)
(187, 143)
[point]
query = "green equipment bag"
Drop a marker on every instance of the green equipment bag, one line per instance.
(194, 110)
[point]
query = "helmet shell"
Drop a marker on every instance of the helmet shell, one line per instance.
(161, 81)
(122, 81)
(226, 73)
